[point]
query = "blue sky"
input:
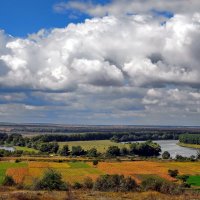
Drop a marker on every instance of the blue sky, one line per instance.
(118, 62)
(22, 17)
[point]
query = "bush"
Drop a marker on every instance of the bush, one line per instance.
(183, 177)
(166, 155)
(88, 183)
(77, 185)
(151, 184)
(95, 162)
(173, 173)
(8, 181)
(92, 152)
(115, 183)
(51, 180)
(77, 151)
(159, 185)
(17, 161)
(113, 151)
(64, 151)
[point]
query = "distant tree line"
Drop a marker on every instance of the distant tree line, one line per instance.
(190, 138)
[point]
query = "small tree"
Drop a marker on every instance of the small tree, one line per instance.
(173, 173)
(64, 151)
(166, 155)
(113, 151)
(95, 162)
(8, 181)
(77, 151)
(92, 152)
(51, 180)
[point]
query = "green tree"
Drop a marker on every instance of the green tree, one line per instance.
(113, 151)
(51, 180)
(173, 173)
(95, 162)
(92, 152)
(77, 151)
(166, 155)
(64, 151)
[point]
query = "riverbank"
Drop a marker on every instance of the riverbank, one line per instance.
(194, 146)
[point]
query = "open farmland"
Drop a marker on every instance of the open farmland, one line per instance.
(4, 166)
(100, 145)
(26, 172)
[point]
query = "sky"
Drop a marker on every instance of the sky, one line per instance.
(109, 62)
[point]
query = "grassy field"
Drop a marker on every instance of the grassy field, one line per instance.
(26, 172)
(25, 149)
(194, 180)
(195, 146)
(4, 166)
(93, 195)
(100, 145)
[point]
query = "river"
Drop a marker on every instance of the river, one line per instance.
(174, 149)
(7, 148)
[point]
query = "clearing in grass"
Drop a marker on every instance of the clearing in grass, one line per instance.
(100, 145)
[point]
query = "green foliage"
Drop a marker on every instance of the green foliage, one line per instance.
(64, 151)
(166, 155)
(173, 173)
(115, 183)
(113, 151)
(148, 148)
(49, 147)
(51, 180)
(8, 181)
(92, 152)
(190, 138)
(77, 151)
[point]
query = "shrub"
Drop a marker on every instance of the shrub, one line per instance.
(166, 155)
(64, 151)
(115, 183)
(92, 152)
(159, 185)
(183, 177)
(151, 184)
(77, 185)
(77, 151)
(51, 180)
(113, 151)
(8, 181)
(95, 162)
(88, 183)
(173, 173)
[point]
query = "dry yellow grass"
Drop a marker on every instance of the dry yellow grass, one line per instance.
(18, 174)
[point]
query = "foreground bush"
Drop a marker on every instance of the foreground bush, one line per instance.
(88, 183)
(51, 180)
(115, 183)
(8, 181)
(160, 185)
